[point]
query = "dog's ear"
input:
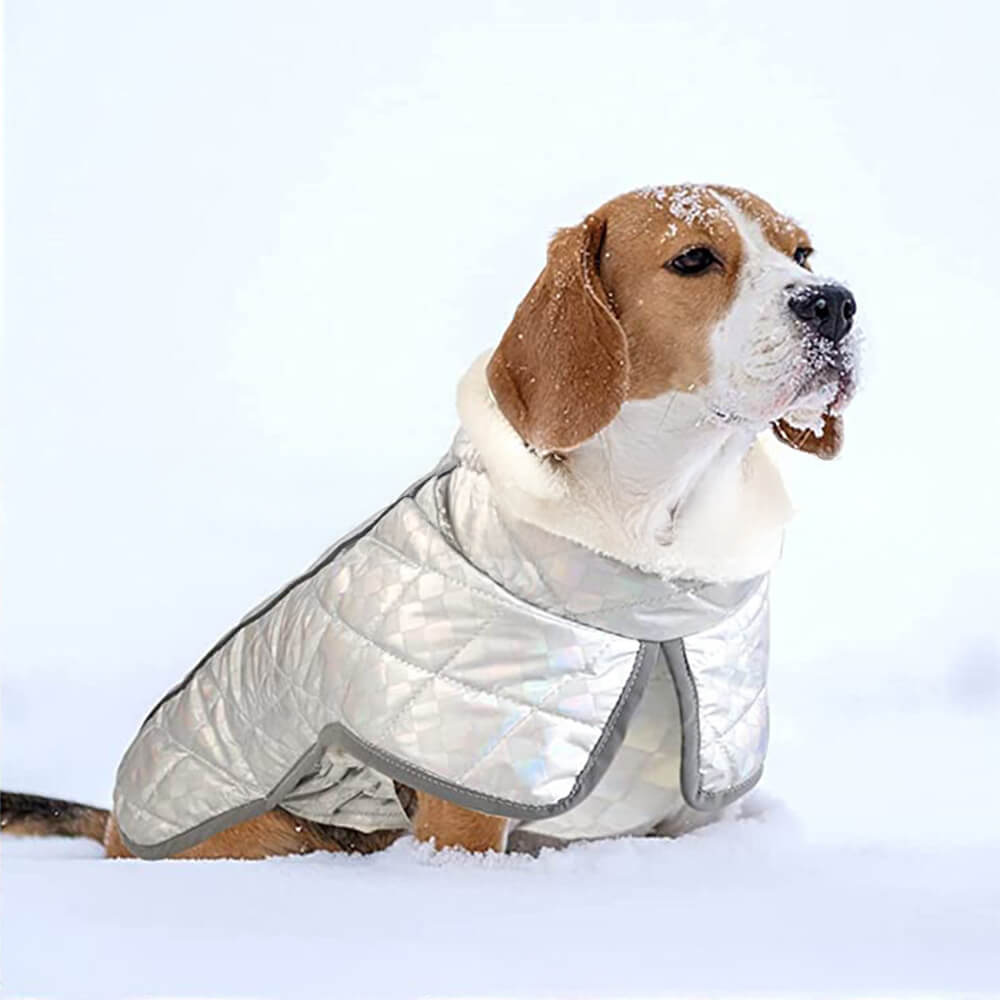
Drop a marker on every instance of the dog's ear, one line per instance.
(826, 445)
(560, 373)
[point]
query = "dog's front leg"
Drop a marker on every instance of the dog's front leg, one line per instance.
(449, 825)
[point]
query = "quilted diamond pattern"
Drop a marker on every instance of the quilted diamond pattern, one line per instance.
(485, 654)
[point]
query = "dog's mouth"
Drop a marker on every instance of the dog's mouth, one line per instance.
(847, 386)
(828, 380)
(842, 382)
(809, 384)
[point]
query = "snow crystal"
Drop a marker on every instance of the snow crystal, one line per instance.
(658, 193)
(690, 204)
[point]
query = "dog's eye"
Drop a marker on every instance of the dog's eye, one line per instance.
(802, 255)
(694, 261)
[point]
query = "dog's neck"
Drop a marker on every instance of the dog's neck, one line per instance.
(666, 486)
(643, 468)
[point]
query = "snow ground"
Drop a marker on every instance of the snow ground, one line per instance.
(243, 250)
(744, 907)
(858, 890)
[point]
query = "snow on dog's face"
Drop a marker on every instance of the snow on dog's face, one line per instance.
(703, 290)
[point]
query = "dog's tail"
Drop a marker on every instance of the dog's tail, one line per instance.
(36, 816)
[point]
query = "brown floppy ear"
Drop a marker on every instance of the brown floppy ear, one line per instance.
(827, 445)
(560, 373)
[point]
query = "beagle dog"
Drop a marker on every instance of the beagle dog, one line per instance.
(627, 408)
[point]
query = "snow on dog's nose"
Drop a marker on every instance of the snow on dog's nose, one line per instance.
(827, 310)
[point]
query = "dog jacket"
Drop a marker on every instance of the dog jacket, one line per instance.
(463, 652)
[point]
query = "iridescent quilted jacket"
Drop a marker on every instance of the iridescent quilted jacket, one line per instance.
(450, 647)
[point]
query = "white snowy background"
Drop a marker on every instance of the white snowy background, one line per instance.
(250, 247)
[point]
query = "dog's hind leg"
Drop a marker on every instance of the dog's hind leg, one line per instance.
(270, 835)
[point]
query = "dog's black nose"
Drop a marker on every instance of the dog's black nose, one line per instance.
(828, 309)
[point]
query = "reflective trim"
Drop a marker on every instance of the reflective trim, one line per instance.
(694, 794)
(336, 734)
(306, 764)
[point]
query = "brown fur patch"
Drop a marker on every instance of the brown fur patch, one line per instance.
(449, 825)
(668, 317)
(827, 445)
(560, 372)
(272, 834)
(277, 833)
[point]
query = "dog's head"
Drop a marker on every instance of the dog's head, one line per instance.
(704, 290)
